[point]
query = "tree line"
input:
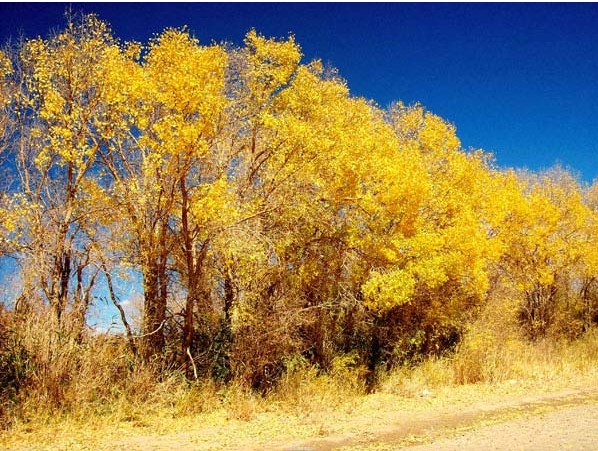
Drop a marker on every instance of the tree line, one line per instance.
(269, 214)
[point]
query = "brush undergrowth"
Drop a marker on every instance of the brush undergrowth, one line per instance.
(48, 377)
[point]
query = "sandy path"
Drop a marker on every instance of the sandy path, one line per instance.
(551, 421)
(574, 428)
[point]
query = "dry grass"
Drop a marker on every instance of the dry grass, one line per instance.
(484, 358)
(304, 389)
(239, 420)
(92, 392)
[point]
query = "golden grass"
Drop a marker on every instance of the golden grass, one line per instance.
(239, 420)
(482, 358)
(94, 397)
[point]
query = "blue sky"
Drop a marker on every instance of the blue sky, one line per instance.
(520, 80)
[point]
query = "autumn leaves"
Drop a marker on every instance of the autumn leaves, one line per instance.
(260, 202)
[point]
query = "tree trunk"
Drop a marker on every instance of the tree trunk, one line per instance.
(154, 312)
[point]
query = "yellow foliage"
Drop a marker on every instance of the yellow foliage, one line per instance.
(253, 195)
(271, 62)
(5, 65)
(386, 290)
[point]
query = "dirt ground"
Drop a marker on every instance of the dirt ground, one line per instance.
(573, 428)
(566, 420)
(508, 417)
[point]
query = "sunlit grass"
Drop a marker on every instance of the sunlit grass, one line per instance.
(308, 405)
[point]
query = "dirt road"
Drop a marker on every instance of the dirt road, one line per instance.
(574, 428)
(566, 420)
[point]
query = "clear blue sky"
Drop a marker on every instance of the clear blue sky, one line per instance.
(520, 80)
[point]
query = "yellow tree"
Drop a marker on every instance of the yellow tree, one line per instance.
(589, 285)
(169, 155)
(139, 186)
(546, 246)
(432, 238)
(6, 126)
(56, 111)
(190, 136)
(312, 133)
